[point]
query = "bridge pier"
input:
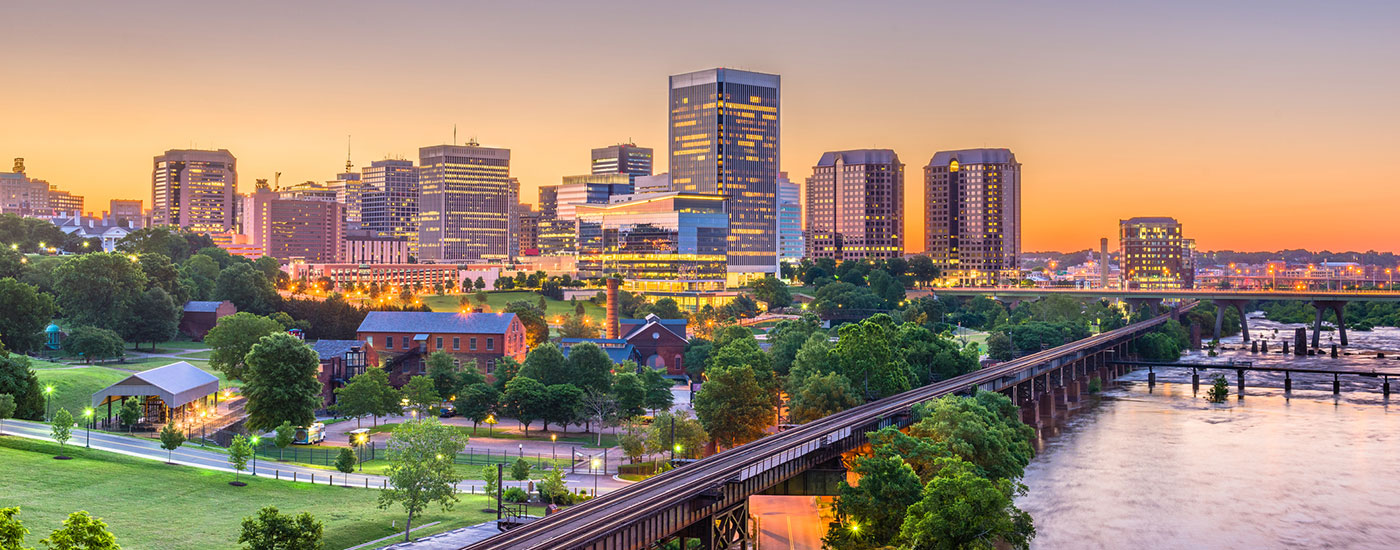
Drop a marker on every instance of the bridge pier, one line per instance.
(1287, 383)
(1338, 308)
(1239, 376)
(1239, 306)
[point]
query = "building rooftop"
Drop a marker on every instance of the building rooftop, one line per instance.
(1149, 219)
(330, 349)
(436, 322)
(973, 156)
(202, 307)
(859, 156)
(177, 384)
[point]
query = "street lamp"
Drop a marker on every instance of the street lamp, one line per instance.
(87, 414)
(595, 477)
(255, 456)
(48, 390)
(359, 446)
(522, 450)
(553, 457)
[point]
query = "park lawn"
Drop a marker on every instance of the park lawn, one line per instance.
(585, 439)
(73, 388)
(37, 364)
(173, 346)
(150, 505)
(205, 355)
(498, 300)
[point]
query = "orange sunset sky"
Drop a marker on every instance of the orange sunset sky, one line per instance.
(1260, 125)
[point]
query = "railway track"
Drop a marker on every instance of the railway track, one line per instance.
(583, 523)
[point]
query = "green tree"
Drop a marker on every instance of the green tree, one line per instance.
(733, 407)
(867, 355)
(887, 487)
(91, 343)
(171, 438)
(198, 275)
(421, 467)
(130, 413)
(506, 369)
(161, 273)
(520, 469)
(281, 385)
(273, 530)
(536, 328)
(1219, 389)
(239, 451)
(17, 379)
(12, 530)
(248, 288)
(552, 486)
(479, 284)
(169, 242)
(421, 395)
(786, 339)
(367, 394)
(154, 318)
(589, 367)
(98, 289)
(658, 390)
(697, 355)
(820, 396)
(286, 433)
(62, 429)
(491, 475)
(811, 360)
(27, 312)
(81, 531)
(233, 337)
(475, 402)
(345, 461)
(999, 346)
(959, 509)
(7, 411)
(11, 263)
(577, 326)
(689, 434)
(630, 394)
(547, 365)
(633, 445)
(442, 370)
(470, 373)
(772, 291)
(563, 405)
(985, 430)
(523, 400)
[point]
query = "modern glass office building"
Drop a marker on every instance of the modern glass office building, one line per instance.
(623, 158)
(390, 200)
(465, 204)
(659, 243)
(791, 247)
(724, 141)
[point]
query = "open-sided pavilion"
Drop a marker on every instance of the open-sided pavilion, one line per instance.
(169, 393)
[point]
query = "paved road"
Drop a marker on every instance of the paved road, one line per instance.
(787, 522)
(210, 460)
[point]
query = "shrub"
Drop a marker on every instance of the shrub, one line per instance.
(517, 495)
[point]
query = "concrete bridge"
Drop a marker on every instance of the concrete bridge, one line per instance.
(708, 500)
(1322, 300)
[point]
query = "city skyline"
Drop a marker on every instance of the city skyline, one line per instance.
(1229, 134)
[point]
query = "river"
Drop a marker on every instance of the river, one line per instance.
(1159, 467)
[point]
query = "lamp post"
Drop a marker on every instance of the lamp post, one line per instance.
(87, 414)
(255, 456)
(553, 457)
(48, 390)
(595, 477)
(522, 450)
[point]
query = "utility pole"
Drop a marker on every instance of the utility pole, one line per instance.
(500, 490)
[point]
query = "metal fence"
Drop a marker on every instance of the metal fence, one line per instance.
(325, 456)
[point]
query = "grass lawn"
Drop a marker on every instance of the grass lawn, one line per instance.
(587, 440)
(197, 355)
(150, 505)
(73, 388)
(498, 300)
(174, 346)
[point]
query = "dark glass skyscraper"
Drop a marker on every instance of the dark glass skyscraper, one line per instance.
(390, 197)
(623, 158)
(724, 140)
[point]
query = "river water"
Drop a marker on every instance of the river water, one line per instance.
(1159, 467)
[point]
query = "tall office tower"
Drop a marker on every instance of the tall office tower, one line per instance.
(623, 158)
(195, 190)
(589, 189)
(390, 200)
(513, 234)
(855, 205)
(724, 141)
(288, 229)
(465, 202)
(1153, 255)
(791, 247)
(349, 191)
(973, 214)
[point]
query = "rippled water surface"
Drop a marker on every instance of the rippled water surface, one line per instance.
(1162, 468)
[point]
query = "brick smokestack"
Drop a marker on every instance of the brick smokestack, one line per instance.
(613, 328)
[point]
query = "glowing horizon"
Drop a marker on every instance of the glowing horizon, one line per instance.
(1260, 126)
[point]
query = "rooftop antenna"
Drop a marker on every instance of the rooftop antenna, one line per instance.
(454, 134)
(276, 180)
(348, 165)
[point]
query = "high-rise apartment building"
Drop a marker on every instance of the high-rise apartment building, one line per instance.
(791, 247)
(195, 190)
(724, 141)
(623, 158)
(973, 214)
(389, 200)
(1153, 254)
(126, 212)
(303, 229)
(855, 205)
(465, 203)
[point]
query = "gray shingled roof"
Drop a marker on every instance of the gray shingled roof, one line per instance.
(202, 307)
(436, 322)
(973, 156)
(859, 156)
(176, 384)
(329, 349)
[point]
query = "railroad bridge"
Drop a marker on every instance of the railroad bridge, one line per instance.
(708, 500)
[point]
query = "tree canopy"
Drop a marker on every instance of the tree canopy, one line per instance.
(281, 383)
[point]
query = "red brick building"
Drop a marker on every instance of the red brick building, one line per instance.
(341, 360)
(199, 317)
(402, 339)
(660, 342)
